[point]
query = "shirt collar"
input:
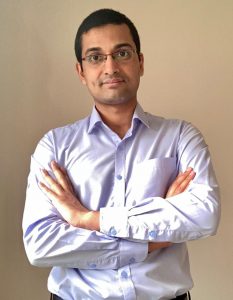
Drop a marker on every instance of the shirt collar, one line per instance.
(139, 114)
(94, 120)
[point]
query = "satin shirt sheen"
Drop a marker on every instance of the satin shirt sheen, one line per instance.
(126, 179)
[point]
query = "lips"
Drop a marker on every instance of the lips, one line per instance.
(112, 81)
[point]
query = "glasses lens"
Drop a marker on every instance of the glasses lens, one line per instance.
(95, 59)
(123, 54)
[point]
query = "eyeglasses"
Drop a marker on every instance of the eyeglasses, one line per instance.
(119, 56)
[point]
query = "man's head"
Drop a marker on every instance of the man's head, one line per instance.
(100, 18)
(110, 63)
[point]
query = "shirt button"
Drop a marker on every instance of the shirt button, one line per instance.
(124, 275)
(112, 231)
(132, 260)
(152, 234)
(119, 177)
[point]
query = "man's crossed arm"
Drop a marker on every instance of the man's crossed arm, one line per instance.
(60, 191)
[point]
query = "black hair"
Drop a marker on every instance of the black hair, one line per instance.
(103, 17)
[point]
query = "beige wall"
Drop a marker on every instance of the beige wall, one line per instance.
(188, 51)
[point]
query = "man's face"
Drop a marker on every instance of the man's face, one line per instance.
(111, 82)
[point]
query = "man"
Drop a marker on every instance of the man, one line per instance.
(99, 209)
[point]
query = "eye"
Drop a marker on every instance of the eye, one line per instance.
(123, 54)
(95, 58)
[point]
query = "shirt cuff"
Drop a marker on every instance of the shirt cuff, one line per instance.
(132, 252)
(114, 221)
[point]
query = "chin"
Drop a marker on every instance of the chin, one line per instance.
(115, 99)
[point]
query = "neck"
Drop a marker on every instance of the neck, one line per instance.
(117, 117)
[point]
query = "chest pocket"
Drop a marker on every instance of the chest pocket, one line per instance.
(151, 178)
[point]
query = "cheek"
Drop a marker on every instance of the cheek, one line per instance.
(91, 81)
(134, 76)
(92, 84)
(90, 77)
(135, 70)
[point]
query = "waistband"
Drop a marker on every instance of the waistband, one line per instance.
(185, 296)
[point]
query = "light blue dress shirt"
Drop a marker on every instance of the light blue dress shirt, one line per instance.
(126, 179)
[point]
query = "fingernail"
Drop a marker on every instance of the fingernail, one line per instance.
(192, 173)
(53, 163)
(43, 171)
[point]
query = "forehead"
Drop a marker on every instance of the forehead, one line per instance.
(106, 37)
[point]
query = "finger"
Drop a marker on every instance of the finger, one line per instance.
(53, 184)
(50, 193)
(182, 176)
(173, 188)
(181, 182)
(184, 181)
(61, 176)
(185, 184)
(67, 179)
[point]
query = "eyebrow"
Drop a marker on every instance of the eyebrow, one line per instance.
(99, 49)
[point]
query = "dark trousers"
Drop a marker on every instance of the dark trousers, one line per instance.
(181, 297)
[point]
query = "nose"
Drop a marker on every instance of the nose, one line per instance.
(110, 65)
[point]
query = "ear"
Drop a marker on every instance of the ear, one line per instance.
(141, 62)
(80, 73)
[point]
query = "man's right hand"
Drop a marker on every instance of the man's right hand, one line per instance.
(178, 186)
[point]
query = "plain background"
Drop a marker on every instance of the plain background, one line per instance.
(188, 48)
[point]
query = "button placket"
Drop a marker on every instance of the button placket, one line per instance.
(127, 285)
(119, 175)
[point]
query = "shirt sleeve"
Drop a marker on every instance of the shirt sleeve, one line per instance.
(190, 215)
(51, 241)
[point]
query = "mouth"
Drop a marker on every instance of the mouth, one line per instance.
(113, 82)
